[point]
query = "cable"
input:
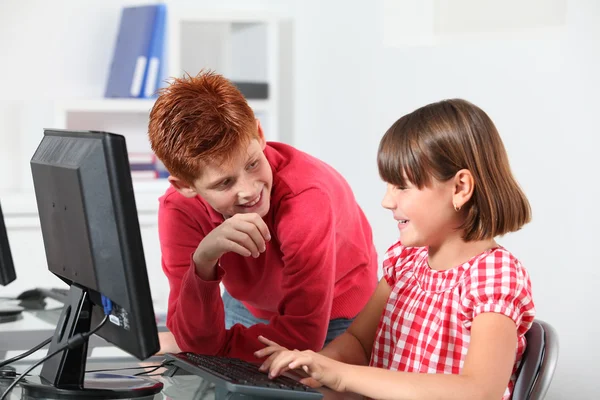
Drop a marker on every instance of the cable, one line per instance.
(72, 343)
(26, 354)
(124, 369)
(156, 367)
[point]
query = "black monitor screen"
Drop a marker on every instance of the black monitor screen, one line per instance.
(7, 268)
(91, 232)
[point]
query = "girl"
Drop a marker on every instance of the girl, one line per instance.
(448, 319)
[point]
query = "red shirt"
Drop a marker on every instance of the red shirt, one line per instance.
(426, 324)
(320, 264)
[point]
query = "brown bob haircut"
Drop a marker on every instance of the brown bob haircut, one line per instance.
(438, 140)
(199, 120)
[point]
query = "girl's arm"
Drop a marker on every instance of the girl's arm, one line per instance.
(354, 346)
(485, 375)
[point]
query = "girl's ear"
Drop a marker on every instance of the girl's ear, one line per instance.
(464, 184)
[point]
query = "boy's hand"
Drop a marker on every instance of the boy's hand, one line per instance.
(244, 234)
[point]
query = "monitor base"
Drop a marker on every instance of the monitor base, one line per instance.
(95, 386)
(10, 313)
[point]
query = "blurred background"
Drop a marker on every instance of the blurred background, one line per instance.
(339, 73)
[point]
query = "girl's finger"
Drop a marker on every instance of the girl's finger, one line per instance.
(311, 382)
(267, 363)
(266, 341)
(281, 362)
(267, 351)
(302, 361)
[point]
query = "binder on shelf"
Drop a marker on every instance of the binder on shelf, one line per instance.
(139, 40)
(155, 71)
(146, 166)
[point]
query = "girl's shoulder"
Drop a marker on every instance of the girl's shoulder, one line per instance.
(498, 282)
(497, 264)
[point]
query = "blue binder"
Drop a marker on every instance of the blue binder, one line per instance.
(154, 76)
(133, 49)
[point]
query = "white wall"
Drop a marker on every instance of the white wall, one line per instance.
(541, 88)
(353, 78)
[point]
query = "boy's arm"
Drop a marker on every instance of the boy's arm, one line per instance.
(307, 234)
(179, 237)
(312, 238)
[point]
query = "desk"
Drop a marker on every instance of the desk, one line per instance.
(35, 326)
(179, 387)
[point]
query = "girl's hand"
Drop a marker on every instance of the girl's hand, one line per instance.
(272, 351)
(321, 369)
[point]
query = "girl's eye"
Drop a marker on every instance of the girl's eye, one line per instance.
(398, 187)
(253, 165)
(226, 182)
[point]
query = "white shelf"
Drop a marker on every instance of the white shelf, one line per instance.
(106, 105)
(23, 203)
(129, 106)
(152, 186)
(180, 14)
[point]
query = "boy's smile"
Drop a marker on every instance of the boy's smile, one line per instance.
(243, 185)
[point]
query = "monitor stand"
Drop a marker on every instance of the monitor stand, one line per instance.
(63, 376)
(10, 313)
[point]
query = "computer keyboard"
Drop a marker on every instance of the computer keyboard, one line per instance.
(238, 376)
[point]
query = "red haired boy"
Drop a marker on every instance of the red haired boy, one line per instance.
(278, 228)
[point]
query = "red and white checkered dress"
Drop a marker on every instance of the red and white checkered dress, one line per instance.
(426, 324)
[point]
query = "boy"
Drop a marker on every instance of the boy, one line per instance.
(278, 228)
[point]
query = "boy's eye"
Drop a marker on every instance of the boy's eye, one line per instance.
(225, 183)
(253, 164)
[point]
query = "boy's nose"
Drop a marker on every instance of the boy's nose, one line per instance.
(246, 189)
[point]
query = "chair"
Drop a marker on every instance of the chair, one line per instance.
(538, 362)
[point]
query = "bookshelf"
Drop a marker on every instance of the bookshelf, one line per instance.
(243, 46)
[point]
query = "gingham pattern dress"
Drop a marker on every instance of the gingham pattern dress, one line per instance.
(426, 324)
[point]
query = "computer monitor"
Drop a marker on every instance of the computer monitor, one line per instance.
(92, 240)
(7, 267)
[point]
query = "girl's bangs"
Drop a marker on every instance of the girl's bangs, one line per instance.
(400, 159)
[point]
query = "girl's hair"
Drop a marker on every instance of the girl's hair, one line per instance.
(199, 119)
(438, 140)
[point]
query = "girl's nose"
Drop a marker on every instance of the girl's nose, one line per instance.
(387, 201)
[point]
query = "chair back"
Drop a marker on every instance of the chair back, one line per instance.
(538, 362)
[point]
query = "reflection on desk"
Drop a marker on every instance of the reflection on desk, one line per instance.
(35, 326)
(179, 387)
